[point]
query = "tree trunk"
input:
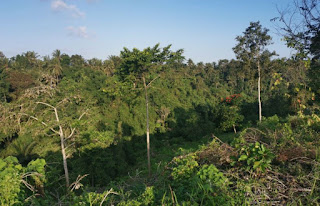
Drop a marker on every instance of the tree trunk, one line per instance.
(63, 150)
(259, 90)
(64, 158)
(147, 123)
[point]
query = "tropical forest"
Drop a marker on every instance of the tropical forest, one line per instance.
(150, 126)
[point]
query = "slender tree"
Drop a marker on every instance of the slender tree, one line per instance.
(251, 45)
(146, 65)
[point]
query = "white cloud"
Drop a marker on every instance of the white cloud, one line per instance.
(80, 31)
(60, 5)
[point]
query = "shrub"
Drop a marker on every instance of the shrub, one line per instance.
(255, 157)
(146, 198)
(212, 179)
(13, 175)
(185, 167)
(271, 123)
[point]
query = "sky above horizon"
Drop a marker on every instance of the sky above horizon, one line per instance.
(205, 29)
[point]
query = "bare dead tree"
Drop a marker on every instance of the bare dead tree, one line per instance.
(61, 133)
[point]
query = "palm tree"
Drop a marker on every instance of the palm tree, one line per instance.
(56, 54)
(23, 150)
(56, 68)
(32, 58)
(95, 63)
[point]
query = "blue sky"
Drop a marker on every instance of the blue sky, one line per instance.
(205, 29)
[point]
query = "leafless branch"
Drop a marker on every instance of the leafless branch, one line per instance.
(109, 192)
(152, 81)
(49, 105)
(45, 124)
(76, 184)
(73, 129)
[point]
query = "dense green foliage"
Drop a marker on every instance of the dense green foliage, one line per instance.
(95, 109)
(15, 179)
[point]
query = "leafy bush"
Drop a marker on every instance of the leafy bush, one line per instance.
(212, 178)
(255, 157)
(146, 198)
(184, 168)
(228, 117)
(271, 123)
(10, 181)
(228, 113)
(14, 178)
